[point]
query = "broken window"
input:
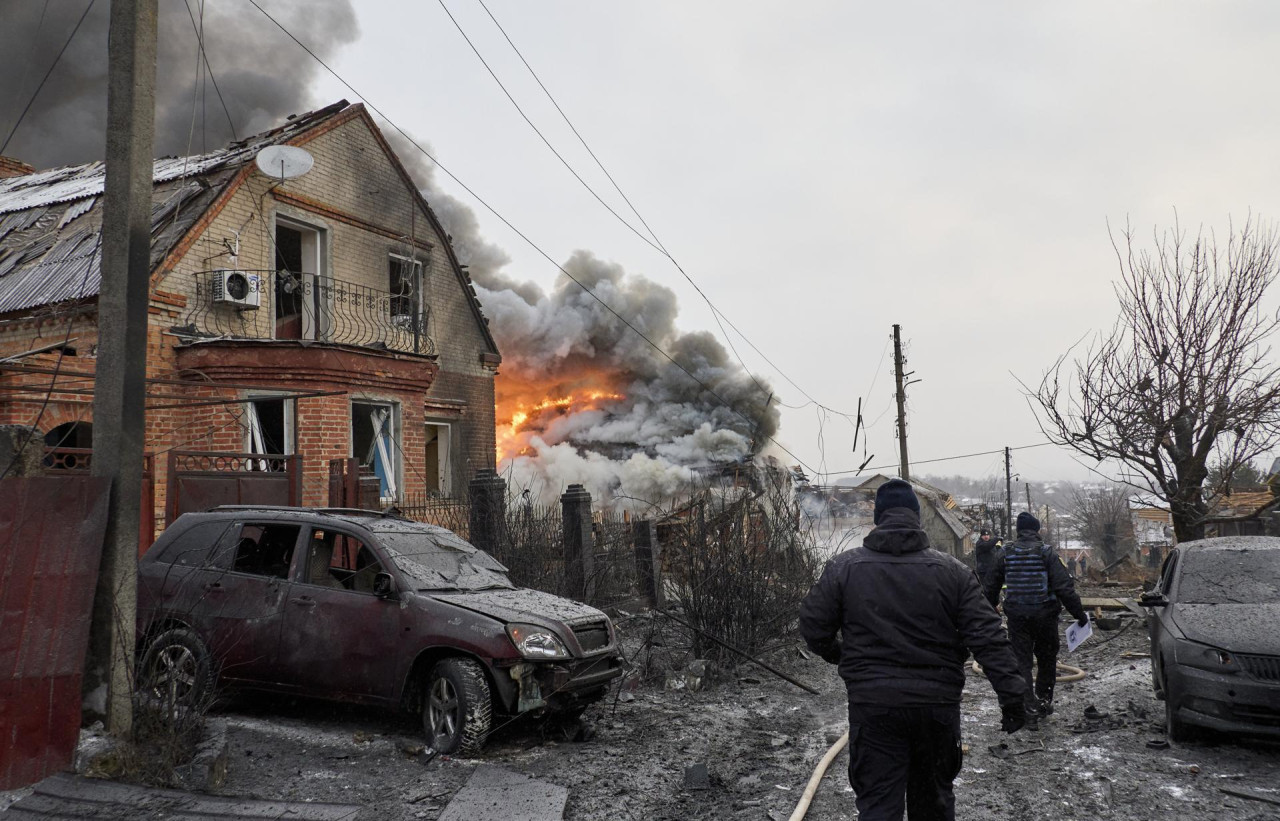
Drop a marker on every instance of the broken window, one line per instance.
(301, 307)
(373, 442)
(265, 549)
(192, 547)
(438, 465)
(340, 560)
(268, 423)
(405, 287)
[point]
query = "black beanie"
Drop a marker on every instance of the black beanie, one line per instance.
(1028, 522)
(895, 493)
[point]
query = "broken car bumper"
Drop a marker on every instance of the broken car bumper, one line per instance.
(1226, 703)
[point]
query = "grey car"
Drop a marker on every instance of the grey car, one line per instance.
(1215, 636)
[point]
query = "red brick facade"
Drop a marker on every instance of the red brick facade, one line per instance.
(364, 209)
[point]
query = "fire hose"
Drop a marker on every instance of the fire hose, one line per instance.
(1065, 673)
(814, 780)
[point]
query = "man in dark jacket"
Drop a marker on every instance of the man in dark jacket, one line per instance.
(985, 553)
(1037, 586)
(906, 616)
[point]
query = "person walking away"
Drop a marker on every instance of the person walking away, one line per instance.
(985, 553)
(1037, 587)
(1071, 566)
(906, 617)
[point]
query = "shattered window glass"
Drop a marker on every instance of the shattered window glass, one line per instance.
(1230, 577)
(444, 562)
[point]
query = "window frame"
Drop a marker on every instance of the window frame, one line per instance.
(392, 453)
(317, 323)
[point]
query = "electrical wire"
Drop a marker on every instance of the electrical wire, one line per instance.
(753, 423)
(941, 459)
(199, 29)
(40, 87)
(657, 243)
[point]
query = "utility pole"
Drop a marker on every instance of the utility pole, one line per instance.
(904, 467)
(119, 389)
(1028, 486)
(1008, 494)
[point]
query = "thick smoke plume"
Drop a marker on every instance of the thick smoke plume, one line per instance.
(263, 76)
(638, 425)
(581, 398)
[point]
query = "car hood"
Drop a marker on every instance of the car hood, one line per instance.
(1241, 628)
(522, 605)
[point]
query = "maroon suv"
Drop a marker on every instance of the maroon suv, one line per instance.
(362, 607)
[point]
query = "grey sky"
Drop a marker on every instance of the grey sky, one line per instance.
(825, 169)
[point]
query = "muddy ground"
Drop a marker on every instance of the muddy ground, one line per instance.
(760, 739)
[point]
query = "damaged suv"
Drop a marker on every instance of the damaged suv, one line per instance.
(364, 607)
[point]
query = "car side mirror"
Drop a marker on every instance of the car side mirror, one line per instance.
(1153, 599)
(383, 586)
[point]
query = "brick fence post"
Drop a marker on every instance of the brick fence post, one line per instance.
(644, 539)
(487, 494)
(579, 543)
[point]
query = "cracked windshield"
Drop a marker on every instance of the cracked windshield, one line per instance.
(434, 563)
(1231, 577)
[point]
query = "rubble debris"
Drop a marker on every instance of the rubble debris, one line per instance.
(733, 649)
(1252, 795)
(496, 794)
(696, 777)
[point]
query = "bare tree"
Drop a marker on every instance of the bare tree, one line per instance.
(1100, 518)
(1184, 374)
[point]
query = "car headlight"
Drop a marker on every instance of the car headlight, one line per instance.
(1203, 657)
(535, 642)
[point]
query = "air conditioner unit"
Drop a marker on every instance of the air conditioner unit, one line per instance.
(237, 288)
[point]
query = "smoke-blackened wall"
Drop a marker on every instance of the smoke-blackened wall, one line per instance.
(262, 75)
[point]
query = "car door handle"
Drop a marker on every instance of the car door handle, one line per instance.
(305, 601)
(208, 586)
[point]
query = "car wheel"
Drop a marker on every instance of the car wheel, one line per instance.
(1175, 728)
(457, 710)
(177, 669)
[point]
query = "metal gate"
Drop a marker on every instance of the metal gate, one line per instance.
(51, 534)
(351, 487)
(199, 481)
(80, 460)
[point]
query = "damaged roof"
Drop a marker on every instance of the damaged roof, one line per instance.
(50, 221)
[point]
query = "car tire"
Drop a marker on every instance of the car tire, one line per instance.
(457, 708)
(177, 670)
(1176, 729)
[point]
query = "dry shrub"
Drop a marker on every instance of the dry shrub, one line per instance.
(738, 559)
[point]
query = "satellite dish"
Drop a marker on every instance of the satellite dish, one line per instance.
(284, 162)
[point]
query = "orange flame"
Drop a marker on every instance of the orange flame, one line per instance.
(524, 408)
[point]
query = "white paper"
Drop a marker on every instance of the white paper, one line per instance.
(1077, 634)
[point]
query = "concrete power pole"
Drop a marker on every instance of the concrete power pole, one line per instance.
(904, 468)
(1027, 485)
(119, 400)
(1008, 494)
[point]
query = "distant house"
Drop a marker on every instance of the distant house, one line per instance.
(319, 318)
(1244, 513)
(938, 515)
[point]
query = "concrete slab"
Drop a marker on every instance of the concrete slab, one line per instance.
(70, 796)
(495, 794)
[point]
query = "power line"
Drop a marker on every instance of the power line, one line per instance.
(200, 39)
(941, 459)
(40, 87)
(657, 243)
(525, 237)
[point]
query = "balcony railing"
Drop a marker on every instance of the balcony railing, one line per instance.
(248, 304)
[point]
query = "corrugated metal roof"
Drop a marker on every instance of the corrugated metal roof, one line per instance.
(50, 220)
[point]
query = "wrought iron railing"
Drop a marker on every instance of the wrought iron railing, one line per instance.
(253, 304)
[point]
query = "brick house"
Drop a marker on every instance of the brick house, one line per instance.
(319, 317)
